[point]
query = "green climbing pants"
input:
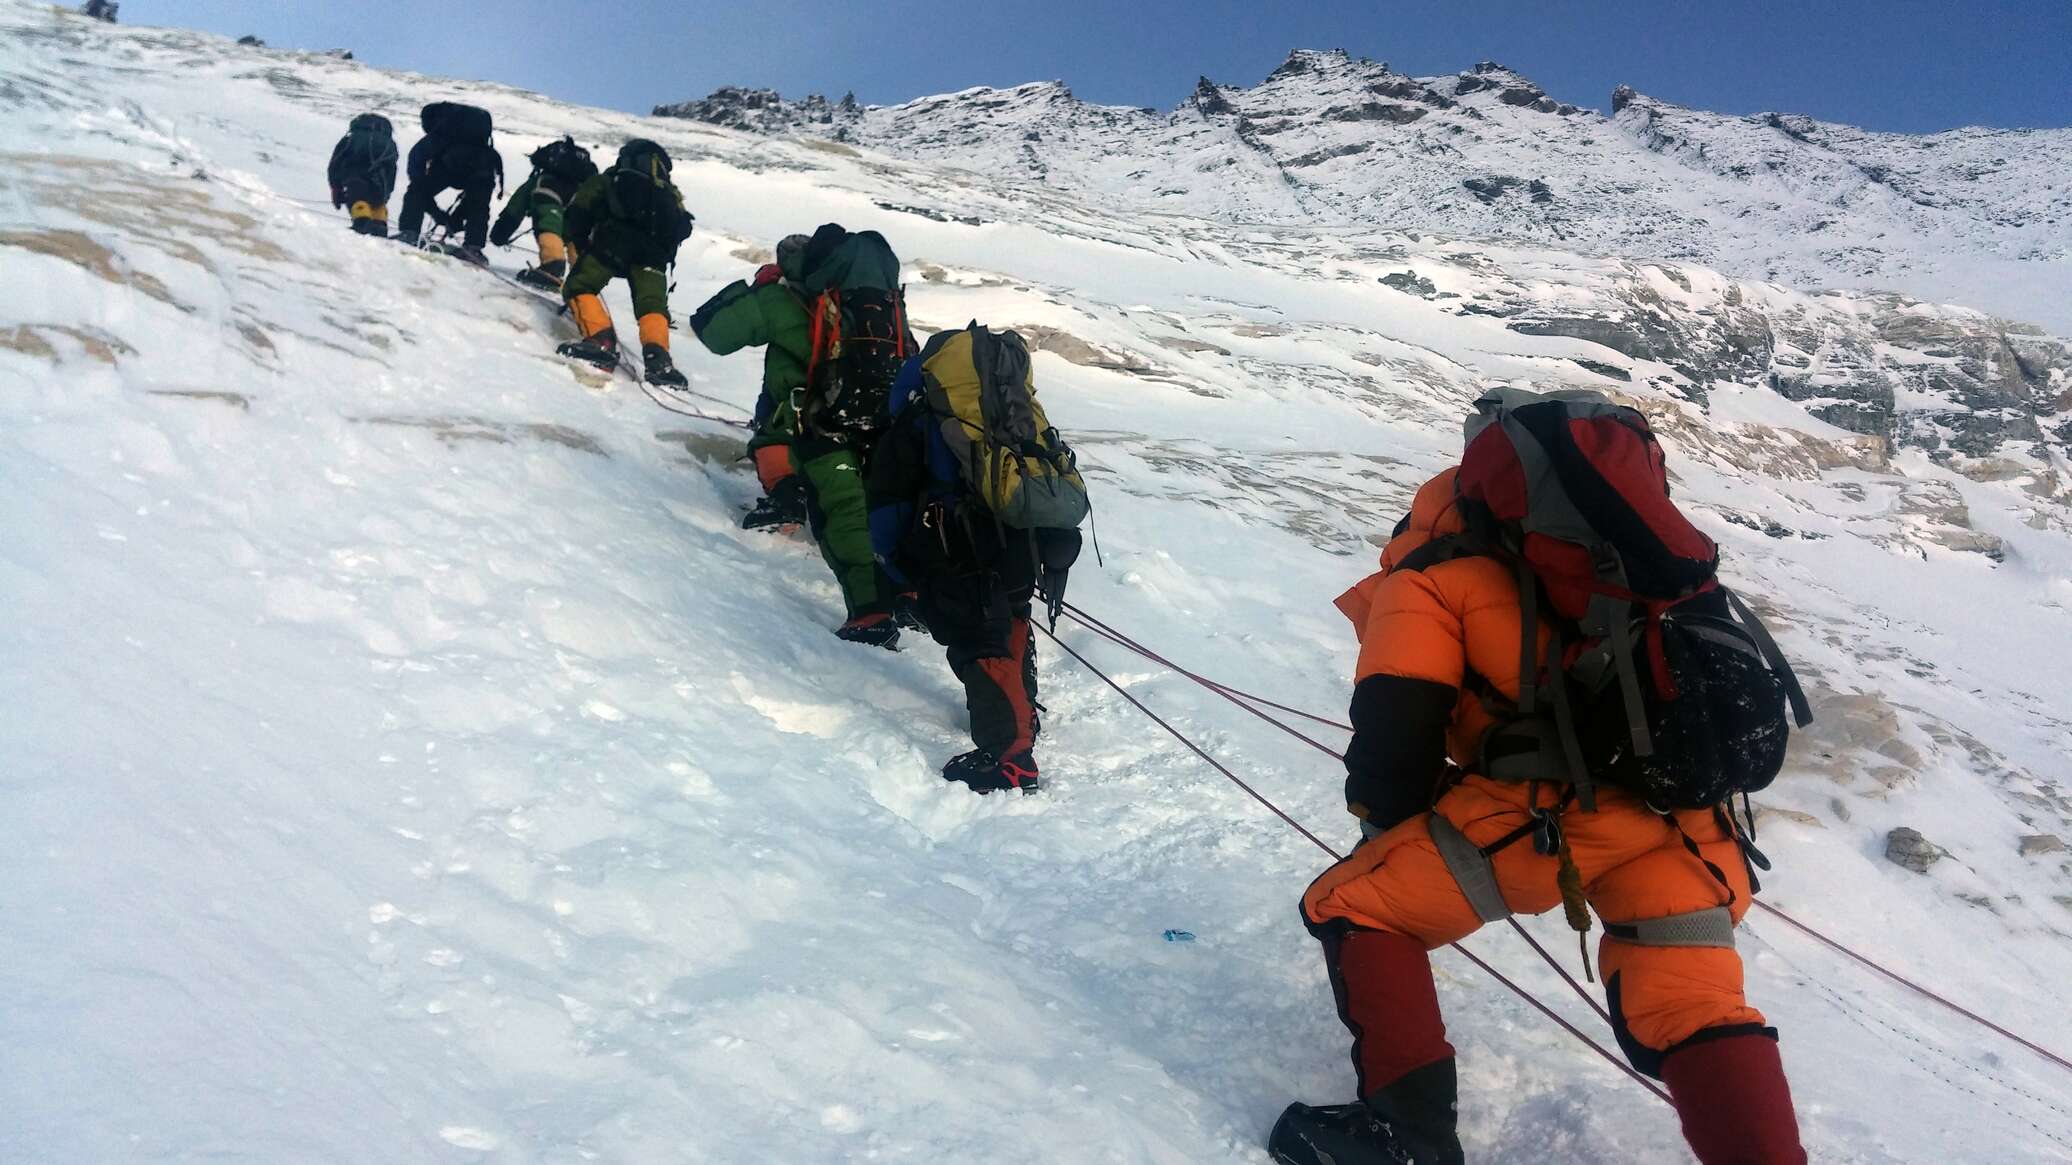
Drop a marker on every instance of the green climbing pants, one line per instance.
(650, 286)
(547, 210)
(839, 517)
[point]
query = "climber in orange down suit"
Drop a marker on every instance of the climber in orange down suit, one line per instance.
(1435, 643)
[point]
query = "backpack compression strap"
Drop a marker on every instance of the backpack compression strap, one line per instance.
(825, 304)
(1801, 710)
(1535, 745)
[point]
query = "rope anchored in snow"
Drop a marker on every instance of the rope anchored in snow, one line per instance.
(1577, 1033)
(1246, 700)
(1914, 987)
(1253, 704)
(668, 400)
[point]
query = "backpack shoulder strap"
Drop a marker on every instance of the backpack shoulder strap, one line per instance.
(1801, 709)
(820, 309)
(1444, 548)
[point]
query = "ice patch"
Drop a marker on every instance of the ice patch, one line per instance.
(466, 1137)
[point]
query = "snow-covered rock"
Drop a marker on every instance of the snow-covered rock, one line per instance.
(1906, 848)
(1981, 217)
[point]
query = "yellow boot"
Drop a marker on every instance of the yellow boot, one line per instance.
(369, 219)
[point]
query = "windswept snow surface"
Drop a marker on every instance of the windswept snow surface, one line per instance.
(406, 759)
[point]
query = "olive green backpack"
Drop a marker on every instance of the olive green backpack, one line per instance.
(983, 393)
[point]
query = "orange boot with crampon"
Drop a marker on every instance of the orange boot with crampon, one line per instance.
(654, 352)
(600, 344)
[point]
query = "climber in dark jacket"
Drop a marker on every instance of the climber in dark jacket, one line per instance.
(363, 172)
(454, 154)
(973, 583)
(559, 169)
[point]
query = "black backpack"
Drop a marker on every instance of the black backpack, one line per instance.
(372, 129)
(370, 143)
(859, 343)
(639, 194)
(1659, 679)
(456, 123)
(565, 160)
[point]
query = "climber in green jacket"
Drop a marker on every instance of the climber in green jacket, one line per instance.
(559, 169)
(831, 291)
(625, 223)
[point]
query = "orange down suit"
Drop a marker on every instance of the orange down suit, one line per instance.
(1440, 624)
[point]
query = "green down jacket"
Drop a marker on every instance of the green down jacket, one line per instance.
(773, 315)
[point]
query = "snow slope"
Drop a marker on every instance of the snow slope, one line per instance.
(1974, 216)
(406, 759)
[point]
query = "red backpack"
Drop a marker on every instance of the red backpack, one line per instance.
(1659, 679)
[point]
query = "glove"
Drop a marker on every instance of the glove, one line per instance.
(1050, 583)
(768, 273)
(1056, 551)
(500, 235)
(337, 198)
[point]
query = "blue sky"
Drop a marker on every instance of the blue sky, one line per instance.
(1911, 65)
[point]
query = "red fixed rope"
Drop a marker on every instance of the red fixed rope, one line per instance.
(1239, 697)
(1230, 695)
(1233, 695)
(1910, 985)
(1583, 1037)
(1196, 749)
(1222, 689)
(664, 400)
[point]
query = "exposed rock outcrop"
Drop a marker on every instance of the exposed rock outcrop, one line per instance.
(1907, 849)
(1961, 217)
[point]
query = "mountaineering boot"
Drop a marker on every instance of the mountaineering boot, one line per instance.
(468, 254)
(660, 369)
(407, 238)
(369, 219)
(547, 276)
(1422, 1109)
(906, 611)
(872, 631)
(601, 350)
(654, 351)
(1734, 1102)
(784, 509)
(987, 773)
(1336, 1134)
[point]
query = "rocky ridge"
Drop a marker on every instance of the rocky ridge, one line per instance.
(1975, 216)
